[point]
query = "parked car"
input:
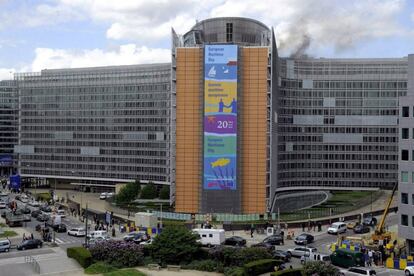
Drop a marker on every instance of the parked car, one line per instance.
(136, 237)
(369, 220)
(357, 271)
(147, 242)
(34, 203)
(337, 228)
(235, 241)
(30, 244)
(352, 224)
(26, 210)
(103, 196)
(274, 240)
(97, 240)
(45, 209)
(300, 251)
(5, 245)
(36, 213)
(409, 271)
(265, 245)
(315, 257)
(281, 255)
(27, 218)
(77, 232)
(42, 217)
(3, 205)
(304, 238)
(361, 228)
(61, 213)
(22, 198)
(60, 228)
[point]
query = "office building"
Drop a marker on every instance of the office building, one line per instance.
(224, 87)
(406, 163)
(95, 126)
(8, 127)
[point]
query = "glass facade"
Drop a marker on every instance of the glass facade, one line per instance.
(338, 122)
(108, 124)
(8, 127)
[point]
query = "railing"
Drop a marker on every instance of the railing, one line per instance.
(33, 262)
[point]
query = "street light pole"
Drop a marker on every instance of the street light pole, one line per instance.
(86, 225)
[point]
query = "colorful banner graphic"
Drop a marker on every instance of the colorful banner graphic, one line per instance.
(220, 117)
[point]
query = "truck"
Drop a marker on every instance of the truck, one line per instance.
(210, 237)
(14, 218)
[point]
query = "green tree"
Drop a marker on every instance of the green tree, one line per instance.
(319, 268)
(165, 192)
(174, 245)
(128, 193)
(149, 191)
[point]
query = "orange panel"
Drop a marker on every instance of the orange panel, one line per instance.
(188, 138)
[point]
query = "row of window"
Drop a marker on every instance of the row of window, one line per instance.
(337, 166)
(404, 177)
(339, 111)
(404, 220)
(340, 93)
(324, 129)
(404, 198)
(336, 156)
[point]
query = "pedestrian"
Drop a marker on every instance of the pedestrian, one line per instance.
(370, 256)
(303, 226)
(251, 230)
(24, 236)
(113, 231)
(366, 258)
(282, 233)
(31, 236)
(314, 226)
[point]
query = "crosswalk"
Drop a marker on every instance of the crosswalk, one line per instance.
(67, 239)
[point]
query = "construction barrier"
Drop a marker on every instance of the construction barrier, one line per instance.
(345, 245)
(401, 263)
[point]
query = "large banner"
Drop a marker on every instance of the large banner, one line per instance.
(6, 160)
(15, 182)
(220, 117)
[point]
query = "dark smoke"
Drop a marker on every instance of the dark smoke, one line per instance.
(300, 51)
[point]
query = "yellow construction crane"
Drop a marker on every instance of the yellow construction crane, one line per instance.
(380, 233)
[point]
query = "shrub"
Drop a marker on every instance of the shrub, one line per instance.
(289, 272)
(174, 245)
(234, 271)
(80, 254)
(118, 253)
(99, 268)
(125, 272)
(43, 196)
(261, 266)
(204, 265)
(233, 256)
(319, 268)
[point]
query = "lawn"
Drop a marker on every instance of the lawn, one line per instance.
(125, 272)
(8, 233)
(99, 268)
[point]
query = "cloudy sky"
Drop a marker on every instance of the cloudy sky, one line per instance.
(39, 34)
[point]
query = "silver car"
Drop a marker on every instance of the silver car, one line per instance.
(357, 271)
(300, 251)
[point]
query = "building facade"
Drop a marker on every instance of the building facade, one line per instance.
(406, 163)
(8, 127)
(338, 122)
(223, 73)
(95, 126)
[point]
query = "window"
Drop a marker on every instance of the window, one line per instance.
(229, 32)
(404, 155)
(405, 111)
(412, 221)
(405, 133)
(404, 220)
(404, 177)
(210, 235)
(412, 199)
(404, 198)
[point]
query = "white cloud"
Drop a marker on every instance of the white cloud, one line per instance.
(7, 73)
(47, 58)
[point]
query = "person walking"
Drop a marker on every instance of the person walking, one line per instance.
(303, 226)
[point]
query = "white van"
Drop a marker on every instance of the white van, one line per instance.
(337, 228)
(61, 213)
(96, 234)
(210, 236)
(4, 245)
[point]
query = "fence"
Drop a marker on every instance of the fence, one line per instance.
(30, 260)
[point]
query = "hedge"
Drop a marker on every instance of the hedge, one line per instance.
(289, 272)
(234, 271)
(261, 266)
(82, 255)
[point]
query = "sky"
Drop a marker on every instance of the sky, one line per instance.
(50, 34)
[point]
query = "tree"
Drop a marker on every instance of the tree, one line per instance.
(128, 193)
(175, 244)
(149, 191)
(165, 192)
(319, 268)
